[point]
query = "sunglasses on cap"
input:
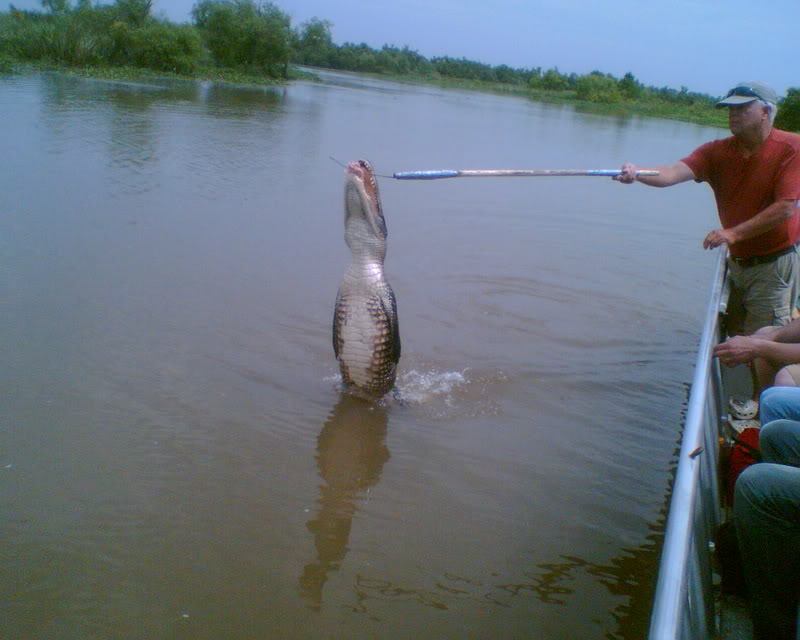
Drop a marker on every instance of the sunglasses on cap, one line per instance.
(746, 92)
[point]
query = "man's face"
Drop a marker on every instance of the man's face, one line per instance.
(743, 118)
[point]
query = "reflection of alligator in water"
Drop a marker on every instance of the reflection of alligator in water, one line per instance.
(351, 452)
(366, 337)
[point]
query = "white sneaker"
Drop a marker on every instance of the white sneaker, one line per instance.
(739, 425)
(746, 410)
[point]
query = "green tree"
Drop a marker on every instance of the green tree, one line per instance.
(314, 43)
(505, 74)
(630, 87)
(597, 87)
(133, 12)
(535, 78)
(156, 45)
(552, 80)
(788, 117)
(241, 33)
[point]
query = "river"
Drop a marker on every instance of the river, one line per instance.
(177, 458)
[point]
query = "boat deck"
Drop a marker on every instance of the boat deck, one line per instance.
(734, 619)
(733, 616)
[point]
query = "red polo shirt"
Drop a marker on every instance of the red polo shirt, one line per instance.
(744, 187)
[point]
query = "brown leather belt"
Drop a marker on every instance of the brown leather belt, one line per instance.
(770, 257)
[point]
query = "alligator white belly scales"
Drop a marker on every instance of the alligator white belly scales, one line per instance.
(366, 337)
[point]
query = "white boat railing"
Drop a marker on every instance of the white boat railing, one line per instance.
(684, 602)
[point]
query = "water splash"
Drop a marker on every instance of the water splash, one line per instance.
(416, 387)
(420, 387)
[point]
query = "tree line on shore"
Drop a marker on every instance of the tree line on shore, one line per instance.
(258, 38)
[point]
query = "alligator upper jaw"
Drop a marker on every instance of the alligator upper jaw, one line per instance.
(361, 177)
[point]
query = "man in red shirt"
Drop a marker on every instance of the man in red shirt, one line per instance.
(755, 176)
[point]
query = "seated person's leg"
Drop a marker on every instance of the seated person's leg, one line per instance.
(780, 442)
(767, 516)
(780, 403)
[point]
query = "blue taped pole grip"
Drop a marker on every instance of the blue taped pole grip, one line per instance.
(426, 175)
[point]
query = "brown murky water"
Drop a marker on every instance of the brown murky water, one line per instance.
(177, 459)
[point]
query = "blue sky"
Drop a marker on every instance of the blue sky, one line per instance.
(705, 45)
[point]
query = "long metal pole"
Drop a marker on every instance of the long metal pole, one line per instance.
(509, 173)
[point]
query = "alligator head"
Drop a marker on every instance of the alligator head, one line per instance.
(365, 227)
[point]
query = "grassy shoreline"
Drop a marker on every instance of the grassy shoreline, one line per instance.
(696, 114)
(125, 73)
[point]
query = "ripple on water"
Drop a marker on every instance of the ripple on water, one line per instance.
(441, 394)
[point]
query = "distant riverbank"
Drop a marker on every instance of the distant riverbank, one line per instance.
(695, 113)
(699, 114)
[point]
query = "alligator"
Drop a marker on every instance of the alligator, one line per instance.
(366, 337)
